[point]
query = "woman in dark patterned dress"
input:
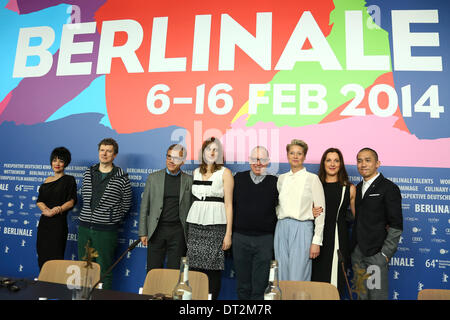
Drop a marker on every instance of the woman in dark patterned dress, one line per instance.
(210, 216)
(57, 195)
(339, 196)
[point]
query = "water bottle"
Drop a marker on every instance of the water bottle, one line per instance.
(273, 291)
(182, 290)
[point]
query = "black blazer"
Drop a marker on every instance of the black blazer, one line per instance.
(380, 207)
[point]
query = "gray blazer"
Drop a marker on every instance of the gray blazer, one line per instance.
(153, 198)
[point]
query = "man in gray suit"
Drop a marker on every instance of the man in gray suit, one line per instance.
(164, 208)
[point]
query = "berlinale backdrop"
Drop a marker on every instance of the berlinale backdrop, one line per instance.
(342, 73)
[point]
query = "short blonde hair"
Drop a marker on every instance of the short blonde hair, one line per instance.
(300, 143)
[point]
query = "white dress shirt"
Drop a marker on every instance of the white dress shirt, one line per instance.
(297, 193)
(366, 185)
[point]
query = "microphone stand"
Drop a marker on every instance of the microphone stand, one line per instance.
(341, 258)
(131, 247)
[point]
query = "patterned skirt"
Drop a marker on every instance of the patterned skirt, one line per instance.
(204, 246)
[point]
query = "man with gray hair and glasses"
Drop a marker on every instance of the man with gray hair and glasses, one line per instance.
(255, 198)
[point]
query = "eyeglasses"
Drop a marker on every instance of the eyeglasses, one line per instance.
(261, 160)
(174, 159)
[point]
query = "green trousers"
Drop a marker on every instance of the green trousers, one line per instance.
(105, 243)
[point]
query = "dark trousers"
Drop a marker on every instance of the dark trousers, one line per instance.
(167, 240)
(252, 256)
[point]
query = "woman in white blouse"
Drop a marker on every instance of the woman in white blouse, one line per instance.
(210, 217)
(298, 236)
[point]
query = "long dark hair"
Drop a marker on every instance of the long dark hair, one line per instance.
(217, 165)
(342, 173)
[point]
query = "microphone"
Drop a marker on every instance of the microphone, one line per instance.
(131, 247)
(341, 260)
(340, 257)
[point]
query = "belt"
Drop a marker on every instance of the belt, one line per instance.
(211, 199)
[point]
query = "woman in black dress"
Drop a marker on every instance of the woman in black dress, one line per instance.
(57, 195)
(339, 196)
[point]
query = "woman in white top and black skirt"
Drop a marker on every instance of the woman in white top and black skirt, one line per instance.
(210, 216)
